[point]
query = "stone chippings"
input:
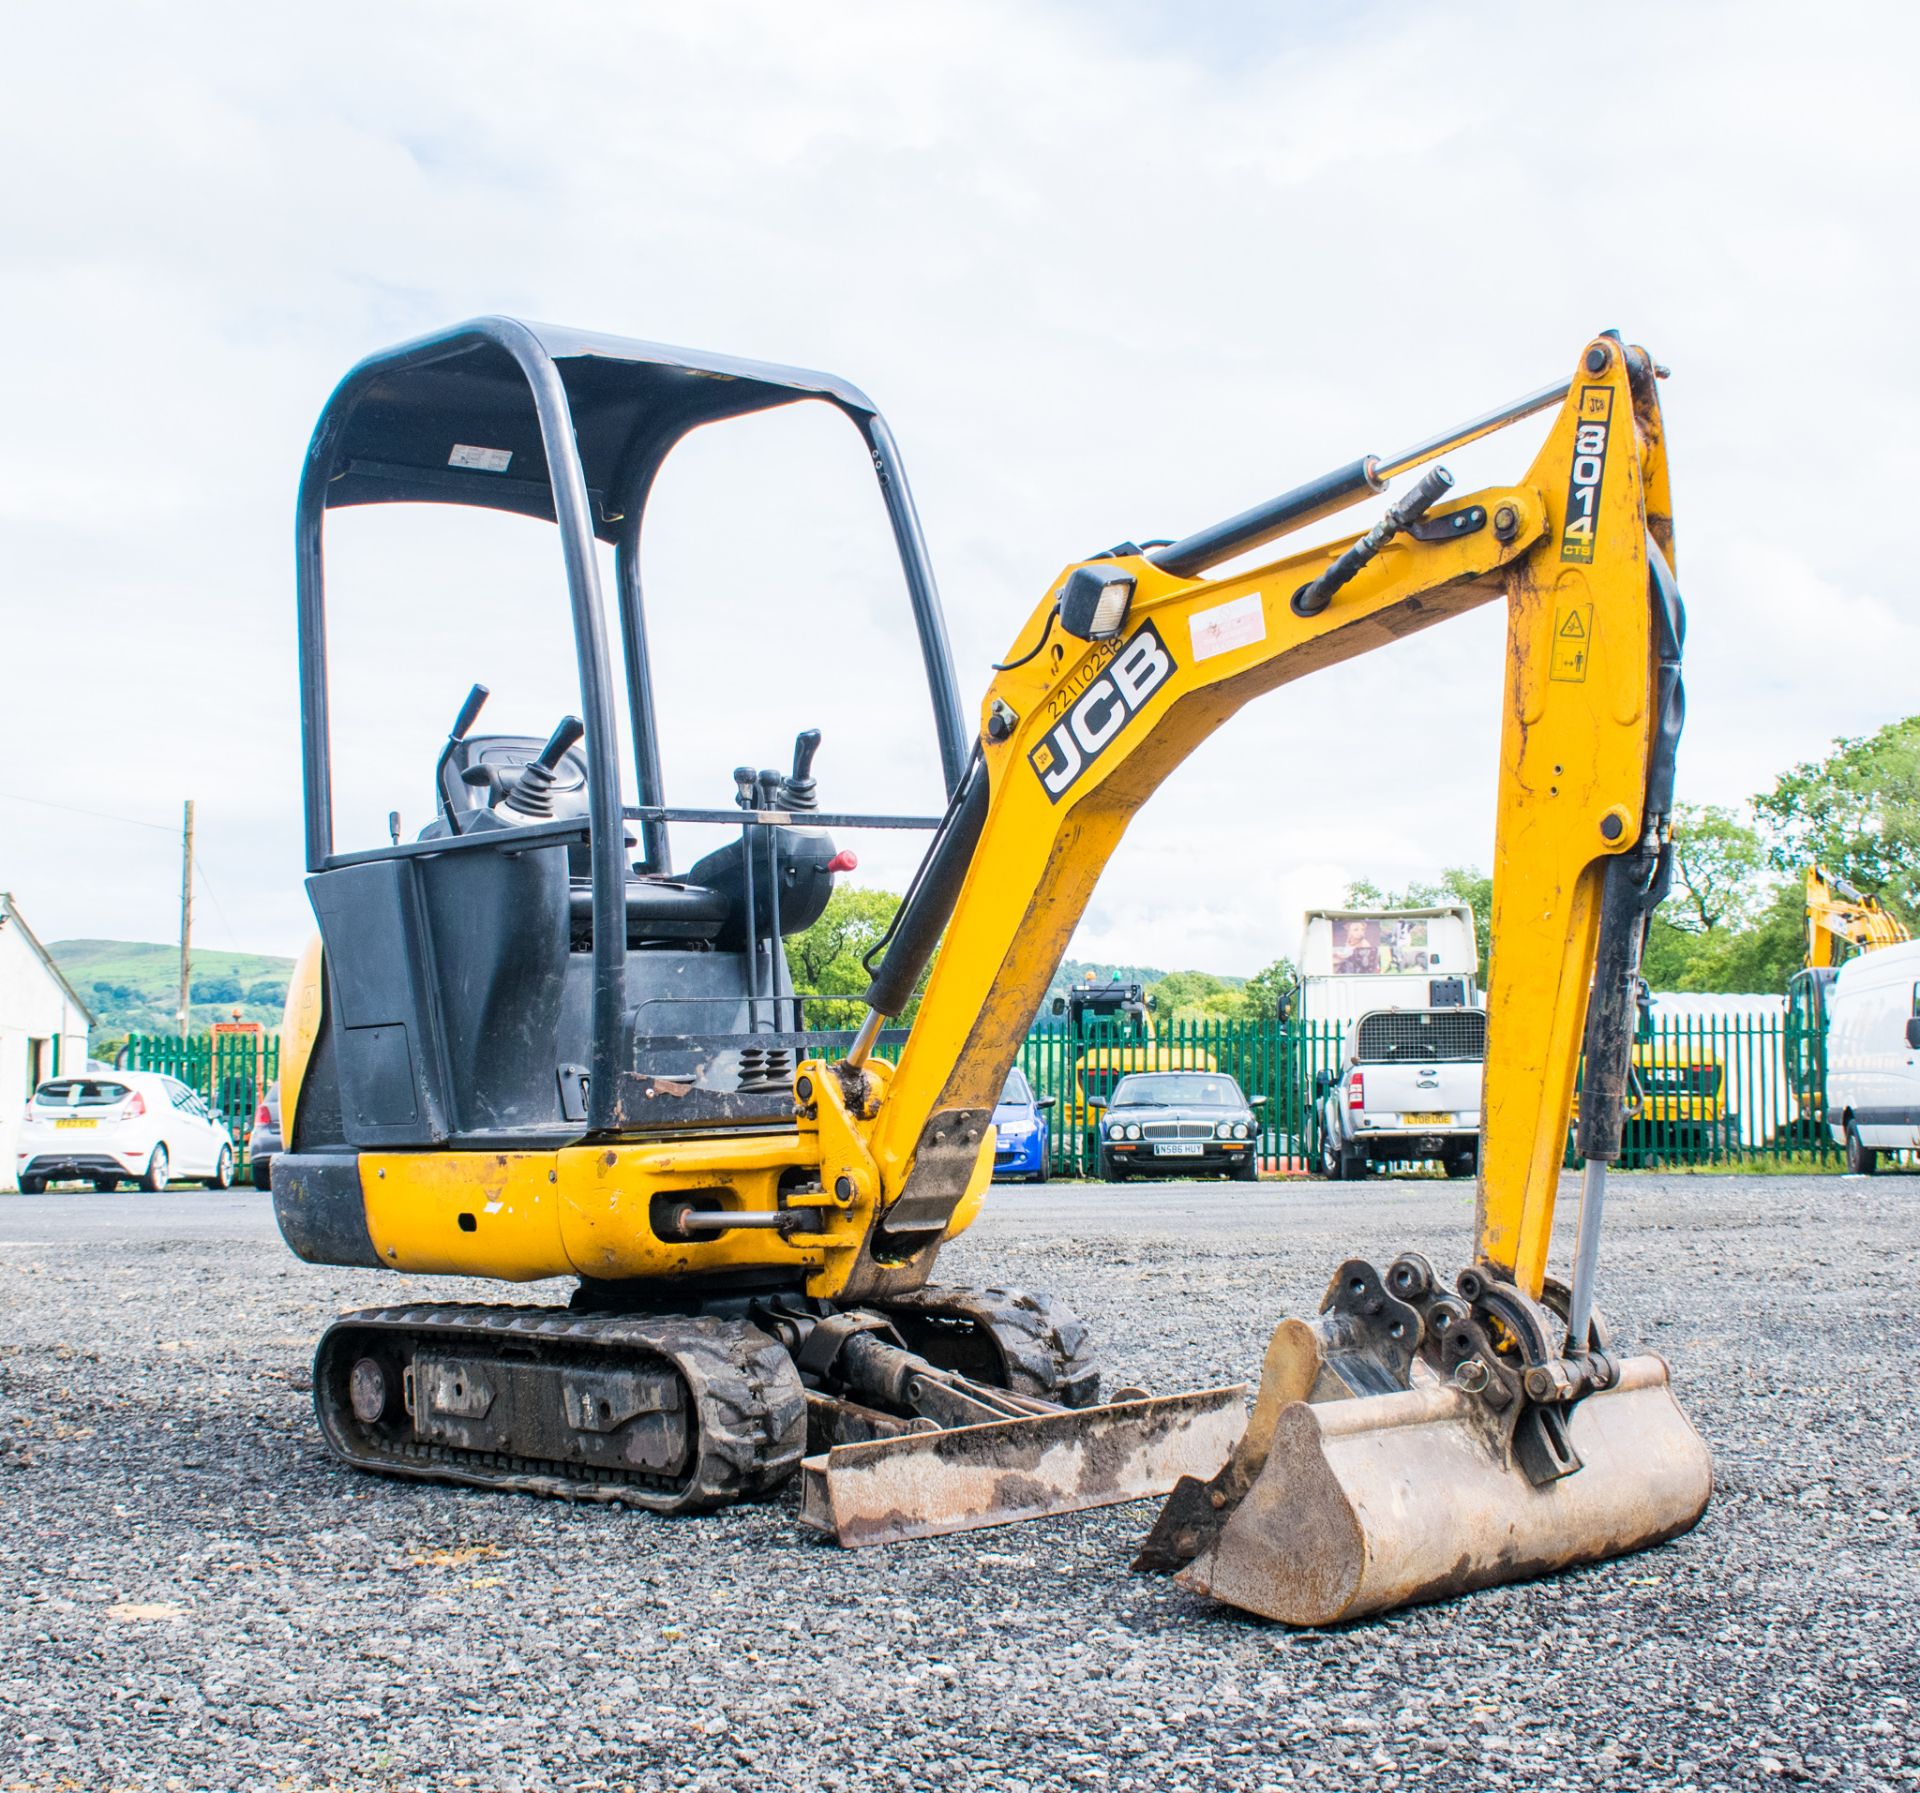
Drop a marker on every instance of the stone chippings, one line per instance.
(193, 1597)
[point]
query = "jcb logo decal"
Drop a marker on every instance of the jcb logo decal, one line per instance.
(1079, 738)
(1589, 464)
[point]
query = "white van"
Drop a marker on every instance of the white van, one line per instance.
(1873, 1055)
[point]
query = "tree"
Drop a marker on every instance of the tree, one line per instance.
(1187, 995)
(1757, 956)
(825, 958)
(1856, 812)
(1260, 994)
(1719, 871)
(218, 989)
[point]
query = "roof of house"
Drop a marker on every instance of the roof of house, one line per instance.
(10, 912)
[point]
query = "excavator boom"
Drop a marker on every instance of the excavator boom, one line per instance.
(1411, 1441)
(1085, 724)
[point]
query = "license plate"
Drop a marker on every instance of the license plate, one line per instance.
(1426, 1120)
(62, 1126)
(1184, 1149)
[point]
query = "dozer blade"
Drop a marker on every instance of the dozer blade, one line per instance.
(1382, 1501)
(926, 1484)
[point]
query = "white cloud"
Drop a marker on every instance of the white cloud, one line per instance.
(1112, 271)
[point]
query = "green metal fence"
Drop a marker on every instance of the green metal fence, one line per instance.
(1711, 1089)
(1275, 1065)
(1719, 1089)
(231, 1070)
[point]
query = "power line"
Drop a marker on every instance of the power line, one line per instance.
(200, 867)
(99, 815)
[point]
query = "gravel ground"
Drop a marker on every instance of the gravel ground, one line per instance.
(192, 1596)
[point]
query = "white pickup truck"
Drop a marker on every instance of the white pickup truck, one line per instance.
(1409, 1090)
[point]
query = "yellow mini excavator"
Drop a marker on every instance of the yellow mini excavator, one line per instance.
(519, 1050)
(1843, 921)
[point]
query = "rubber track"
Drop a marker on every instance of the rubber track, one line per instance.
(746, 1394)
(1047, 1347)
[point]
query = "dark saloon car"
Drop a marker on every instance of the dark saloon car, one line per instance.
(264, 1142)
(1179, 1123)
(1022, 1139)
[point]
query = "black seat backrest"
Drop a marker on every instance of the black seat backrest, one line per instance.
(658, 910)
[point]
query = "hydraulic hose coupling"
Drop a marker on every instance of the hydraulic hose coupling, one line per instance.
(1317, 594)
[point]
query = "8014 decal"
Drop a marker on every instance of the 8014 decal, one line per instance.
(1589, 467)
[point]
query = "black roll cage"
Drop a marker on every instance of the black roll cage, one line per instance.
(645, 398)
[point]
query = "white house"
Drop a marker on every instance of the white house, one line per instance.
(43, 1025)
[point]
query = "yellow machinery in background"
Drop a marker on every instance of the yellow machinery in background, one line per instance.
(1111, 1028)
(1842, 921)
(531, 1058)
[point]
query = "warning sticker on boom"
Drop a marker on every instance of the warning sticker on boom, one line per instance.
(1572, 643)
(1583, 483)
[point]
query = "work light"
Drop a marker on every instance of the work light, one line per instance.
(1094, 601)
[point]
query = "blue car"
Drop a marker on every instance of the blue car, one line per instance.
(1022, 1140)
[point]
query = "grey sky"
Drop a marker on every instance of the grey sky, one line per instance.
(1111, 271)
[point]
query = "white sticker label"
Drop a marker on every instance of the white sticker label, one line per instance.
(1239, 622)
(481, 460)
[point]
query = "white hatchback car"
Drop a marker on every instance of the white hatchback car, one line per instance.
(112, 1125)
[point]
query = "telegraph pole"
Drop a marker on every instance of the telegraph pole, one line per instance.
(186, 918)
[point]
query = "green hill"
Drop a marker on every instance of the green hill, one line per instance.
(133, 986)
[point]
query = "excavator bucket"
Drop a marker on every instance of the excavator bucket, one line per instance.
(923, 1484)
(1336, 1505)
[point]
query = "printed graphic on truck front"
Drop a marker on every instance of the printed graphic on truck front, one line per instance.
(1583, 483)
(1367, 945)
(1097, 716)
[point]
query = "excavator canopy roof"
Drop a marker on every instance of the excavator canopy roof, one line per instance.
(451, 418)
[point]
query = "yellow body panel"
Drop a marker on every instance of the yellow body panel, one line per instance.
(299, 1028)
(465, 1213)
(589, 1210)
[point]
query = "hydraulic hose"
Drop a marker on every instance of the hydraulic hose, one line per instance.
(923, 916)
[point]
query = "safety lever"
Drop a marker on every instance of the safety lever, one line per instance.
(469, 712)
(1317, 594)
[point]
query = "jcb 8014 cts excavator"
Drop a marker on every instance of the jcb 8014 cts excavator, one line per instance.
(518, 1052)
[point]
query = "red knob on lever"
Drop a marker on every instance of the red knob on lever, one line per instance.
(846, 860)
